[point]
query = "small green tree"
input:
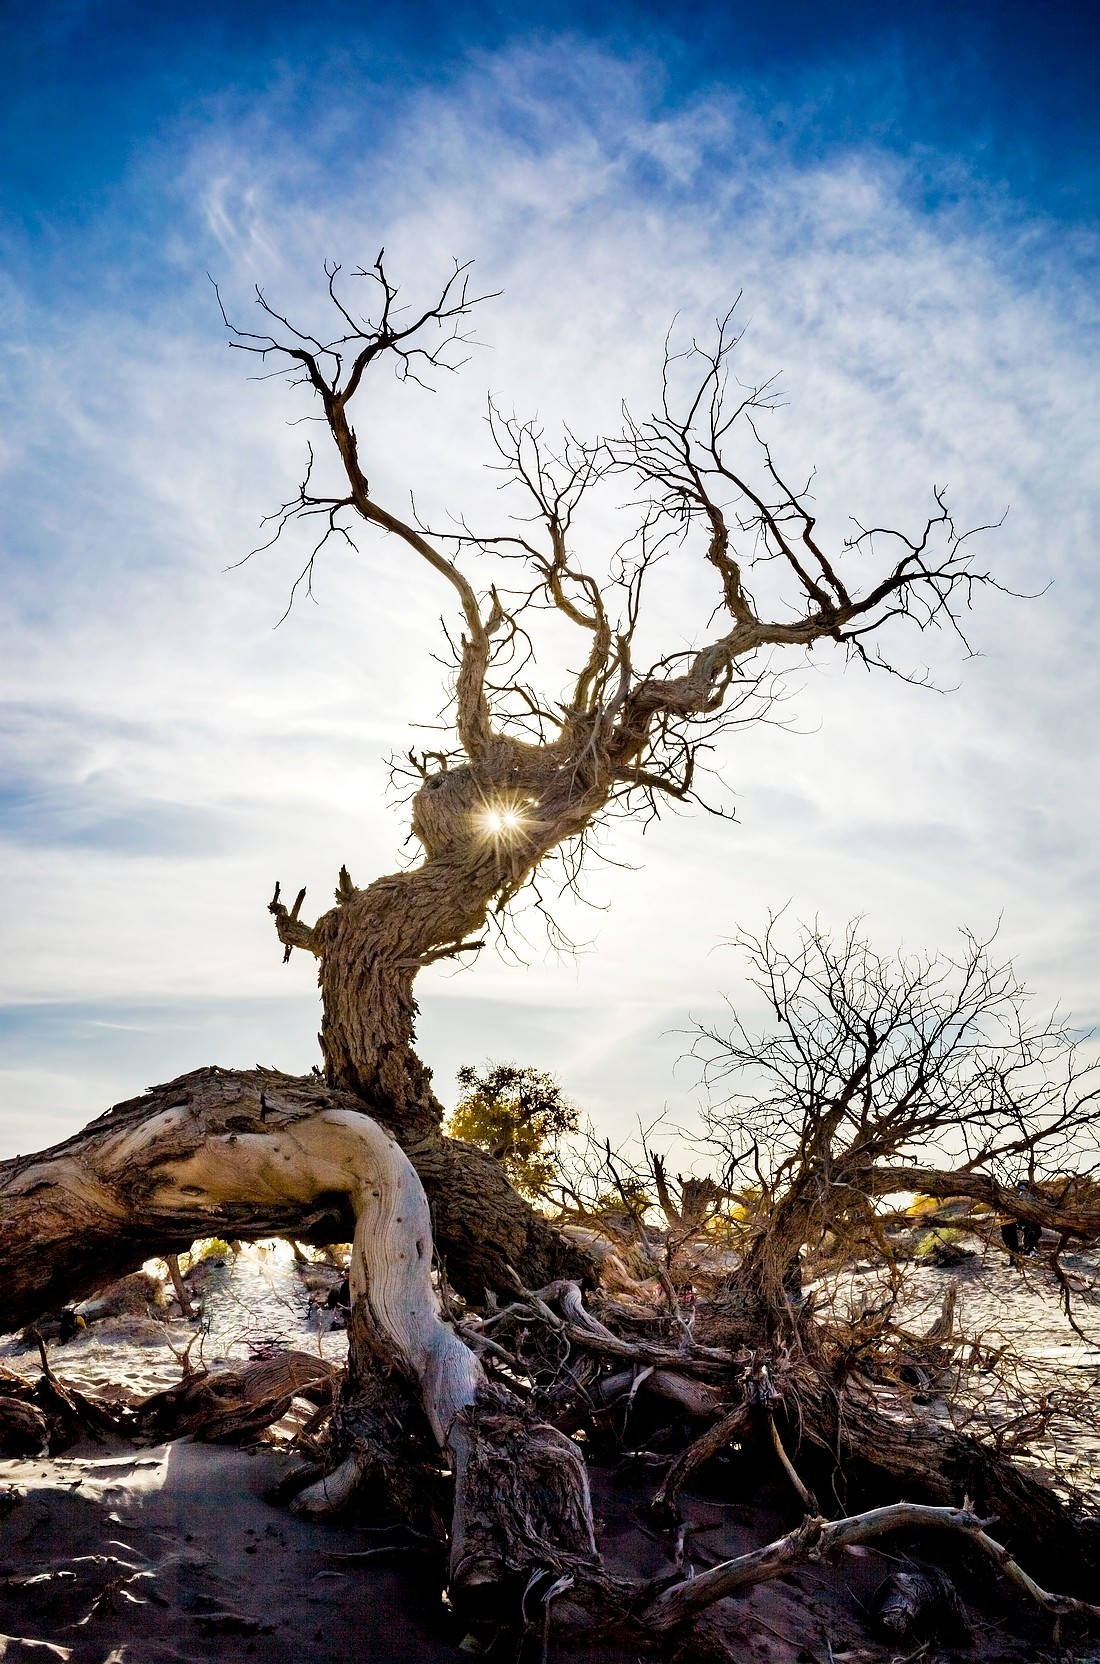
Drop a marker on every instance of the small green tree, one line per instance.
(518, 1115)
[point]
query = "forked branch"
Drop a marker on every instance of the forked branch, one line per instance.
(815, 1539)
(622, 734)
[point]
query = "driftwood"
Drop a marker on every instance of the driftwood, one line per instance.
(760, 1401)
(824, 1433)
(693, 1397)
(578, 1325)
(234, 1405)
(49, 1411)
(851, 1440)
(814, 1539)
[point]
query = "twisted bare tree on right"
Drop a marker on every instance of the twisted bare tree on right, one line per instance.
(880, 1075)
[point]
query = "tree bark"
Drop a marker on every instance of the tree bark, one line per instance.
(73, 1218)
(374, 941)
(766, 1286)
(248, 1155)
(1070, 1205)
(370, 947)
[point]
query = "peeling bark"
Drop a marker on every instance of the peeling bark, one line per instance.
(248, 1155)
(93, 1207)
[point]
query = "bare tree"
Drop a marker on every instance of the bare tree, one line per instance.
(877, 1076)
(535, 770)
(532, 772)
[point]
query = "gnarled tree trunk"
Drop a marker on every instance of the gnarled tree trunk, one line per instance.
(65, 1231)
(370, 947)
(253, 1154)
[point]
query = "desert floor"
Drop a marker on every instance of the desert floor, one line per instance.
(118, 1555)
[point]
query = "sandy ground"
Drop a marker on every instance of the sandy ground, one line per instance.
(250, 1300)
(173, 1553)
(1030, 1349)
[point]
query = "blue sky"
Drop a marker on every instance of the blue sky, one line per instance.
(1008, 87)
(910, 209)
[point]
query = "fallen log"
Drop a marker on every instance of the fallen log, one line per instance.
(262, 1154)
(23, 1427)
(77, 1216)
(46, 1409)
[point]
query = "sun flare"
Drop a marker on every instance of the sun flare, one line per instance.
(503, 820)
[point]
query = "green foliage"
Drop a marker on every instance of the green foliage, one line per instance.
(519, 1116)
(944, 1236)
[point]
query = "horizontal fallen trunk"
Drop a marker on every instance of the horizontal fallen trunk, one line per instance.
(1071, 1207)
(248, 1155)
(93, 1208)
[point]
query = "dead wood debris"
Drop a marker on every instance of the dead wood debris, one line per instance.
(569, 1359)
(235, 1405)
(599, 1369)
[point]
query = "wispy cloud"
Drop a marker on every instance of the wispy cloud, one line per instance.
(949, 344)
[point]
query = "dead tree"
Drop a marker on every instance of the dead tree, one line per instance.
(259, 1153)
(877, 1076)
(531, 773)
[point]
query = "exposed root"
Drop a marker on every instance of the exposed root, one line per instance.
(236, 1405)
(816, 1538)
(522, 1503)
(48, 1415)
